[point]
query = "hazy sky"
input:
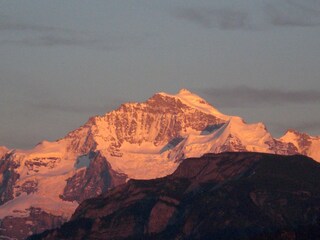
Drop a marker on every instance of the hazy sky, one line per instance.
(64, 61)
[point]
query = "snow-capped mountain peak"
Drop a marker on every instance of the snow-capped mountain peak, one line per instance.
(184, 91)
(138, 141)
(292, 134)
(196, 102)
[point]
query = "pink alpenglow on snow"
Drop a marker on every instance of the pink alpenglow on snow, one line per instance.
(136, 141)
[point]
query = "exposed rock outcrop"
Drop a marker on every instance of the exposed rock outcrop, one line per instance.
(90, 182)
(36, 222)
(8, 178)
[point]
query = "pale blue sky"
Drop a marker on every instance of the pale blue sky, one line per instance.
(64, 61)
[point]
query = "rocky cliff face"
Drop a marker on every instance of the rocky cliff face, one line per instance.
(224, 196)
(305, 144)
(8, 178)
(36, 221)
(136, 141)
(3, 151)
(97, 178)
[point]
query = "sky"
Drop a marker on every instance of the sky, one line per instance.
(64, 61)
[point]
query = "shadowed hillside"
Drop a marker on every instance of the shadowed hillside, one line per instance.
(223, 196)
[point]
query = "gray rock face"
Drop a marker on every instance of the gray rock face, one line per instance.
(8, 177)
(90, 182)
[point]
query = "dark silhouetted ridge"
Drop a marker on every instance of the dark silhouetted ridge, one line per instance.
(216, 196)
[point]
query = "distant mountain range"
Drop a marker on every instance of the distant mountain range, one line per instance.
(40, 188)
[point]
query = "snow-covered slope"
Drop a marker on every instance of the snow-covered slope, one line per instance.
(138, 140)
(40, 176)
(235, 136)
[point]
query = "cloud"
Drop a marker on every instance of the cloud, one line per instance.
(224, 18)
(26, 34)
(38, 35)
(246, 96)
(79, 40)
(56, 107)
(305, 127)
(91, 109)
(54, 40)
(256, 15)
(293, 13)
(6, 25)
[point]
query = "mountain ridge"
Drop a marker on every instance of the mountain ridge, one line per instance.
(136, 141)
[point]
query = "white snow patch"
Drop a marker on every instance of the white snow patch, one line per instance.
(19, 206)
(142, 165)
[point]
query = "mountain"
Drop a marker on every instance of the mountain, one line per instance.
(305, 144)
(223, 196)
(41, 187)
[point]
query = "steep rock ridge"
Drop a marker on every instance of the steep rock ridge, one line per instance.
(223, 196)
(8, 178)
